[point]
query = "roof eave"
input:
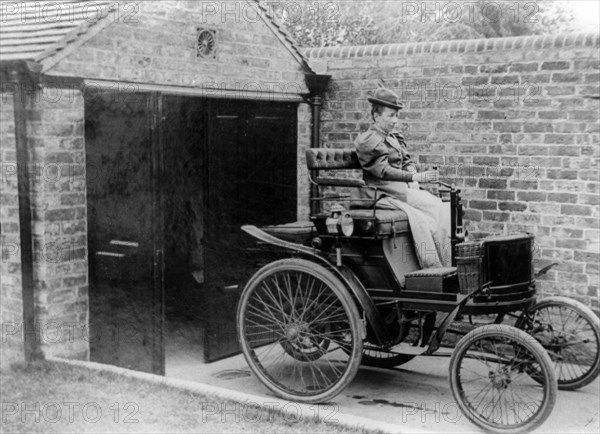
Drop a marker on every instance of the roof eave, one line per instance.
(18, 72)
(24, 65)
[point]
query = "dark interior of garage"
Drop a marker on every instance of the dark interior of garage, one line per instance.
(170, 181)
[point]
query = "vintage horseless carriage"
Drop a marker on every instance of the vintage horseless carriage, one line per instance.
(351, 292)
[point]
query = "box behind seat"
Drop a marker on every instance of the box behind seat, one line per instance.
(442, 279)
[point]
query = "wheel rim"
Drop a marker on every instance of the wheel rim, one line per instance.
(494, 385)
(568, 337)
(297, 334)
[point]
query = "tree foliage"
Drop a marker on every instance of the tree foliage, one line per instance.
(357, 22)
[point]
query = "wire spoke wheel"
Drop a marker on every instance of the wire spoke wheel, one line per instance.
(490, 382)
(300, 330)
(570, 332)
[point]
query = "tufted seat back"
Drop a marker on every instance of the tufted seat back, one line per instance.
(329, 159)
(387, 223)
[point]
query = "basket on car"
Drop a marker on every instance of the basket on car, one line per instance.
(468, 264)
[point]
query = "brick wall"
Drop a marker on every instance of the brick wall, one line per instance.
(56, 139)
(304, 142)
(58, 189)
(506, 119)
(157, 45)
(11, 306)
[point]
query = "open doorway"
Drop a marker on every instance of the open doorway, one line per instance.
(227, 163)
(176, 177)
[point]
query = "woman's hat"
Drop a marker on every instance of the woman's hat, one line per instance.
(385, 97)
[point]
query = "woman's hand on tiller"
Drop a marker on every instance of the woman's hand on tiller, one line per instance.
(428, 176)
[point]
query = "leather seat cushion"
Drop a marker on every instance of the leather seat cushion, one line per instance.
(387, 222)
(432, 272)
(297, 232)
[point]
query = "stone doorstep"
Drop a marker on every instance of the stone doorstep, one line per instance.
(346, 420)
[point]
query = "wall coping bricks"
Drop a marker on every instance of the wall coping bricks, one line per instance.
(565, 40)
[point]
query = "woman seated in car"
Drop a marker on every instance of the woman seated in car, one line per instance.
(387, 165)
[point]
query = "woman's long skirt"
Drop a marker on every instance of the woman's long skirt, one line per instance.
(429, 220)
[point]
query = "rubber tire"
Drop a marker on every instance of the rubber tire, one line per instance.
(526, 341)
(351, 311)
(591, 319)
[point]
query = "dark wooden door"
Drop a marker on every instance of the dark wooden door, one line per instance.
(251, 179)
(183, 138)
(124, 231)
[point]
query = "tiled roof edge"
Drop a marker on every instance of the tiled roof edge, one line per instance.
(284, 36)
(76, 37)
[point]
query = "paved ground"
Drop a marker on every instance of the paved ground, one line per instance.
(415, 397)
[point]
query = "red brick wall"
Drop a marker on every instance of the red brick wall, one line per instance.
(522, 141)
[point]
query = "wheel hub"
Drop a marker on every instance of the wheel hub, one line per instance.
(292, 333)
(296, 333)
(500, 379)
(558, 342)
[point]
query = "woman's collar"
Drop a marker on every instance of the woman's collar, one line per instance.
(379, 131)
(388, 137)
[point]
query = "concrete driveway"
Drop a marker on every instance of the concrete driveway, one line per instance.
(415, 397)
